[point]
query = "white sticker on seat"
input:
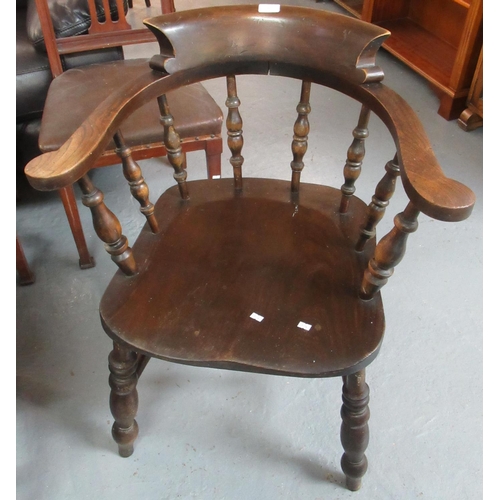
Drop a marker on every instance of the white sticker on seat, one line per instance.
(269, 7)
(304, 326)
(256, 317)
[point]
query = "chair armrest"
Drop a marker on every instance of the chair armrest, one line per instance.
(58, 169)
(427, 187)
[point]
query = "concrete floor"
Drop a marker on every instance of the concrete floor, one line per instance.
(213, 434)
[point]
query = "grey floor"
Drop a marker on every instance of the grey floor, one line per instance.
(213, 434)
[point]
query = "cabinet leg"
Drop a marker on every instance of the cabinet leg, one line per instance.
(451, 107)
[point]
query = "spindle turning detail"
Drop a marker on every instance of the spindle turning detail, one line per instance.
(234, 125)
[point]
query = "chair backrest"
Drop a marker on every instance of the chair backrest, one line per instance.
(111, 29)
(340, 54)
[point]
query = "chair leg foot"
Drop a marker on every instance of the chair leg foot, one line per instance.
(87, 265)
(354, 431)
(123, 399)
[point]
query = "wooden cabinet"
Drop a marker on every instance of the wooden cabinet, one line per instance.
(439, 39)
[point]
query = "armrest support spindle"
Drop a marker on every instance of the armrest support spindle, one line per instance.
(376, 210)
(138, 187)
(108, 227)
(389, 252)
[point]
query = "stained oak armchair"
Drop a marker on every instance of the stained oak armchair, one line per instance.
(269, 276)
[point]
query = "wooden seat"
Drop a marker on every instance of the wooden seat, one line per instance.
(289, 262)
(257, 274)
(81, 89)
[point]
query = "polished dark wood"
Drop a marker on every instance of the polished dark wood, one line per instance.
(123, 399)
(389, 252)
(234, 124)
(380, 200)
(255, 274)
(240, 235)
(138, 187)
(108, 227)
(300, 133)
(172, 141)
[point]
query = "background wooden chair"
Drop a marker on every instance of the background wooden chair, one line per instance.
(80, 90)
(256, 274)
(26, 275)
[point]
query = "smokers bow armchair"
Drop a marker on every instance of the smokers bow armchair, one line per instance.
(254, 274)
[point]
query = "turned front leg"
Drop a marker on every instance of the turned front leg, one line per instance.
(354, 430)
(123, 399)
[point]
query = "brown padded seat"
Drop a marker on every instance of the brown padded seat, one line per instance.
(66, 110)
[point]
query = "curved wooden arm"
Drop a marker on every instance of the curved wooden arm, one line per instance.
(427, 187)
(79, 153)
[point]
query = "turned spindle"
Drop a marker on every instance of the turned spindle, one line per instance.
(354, 433)
(300, 134)
(354, 161)
(173, 146)
(123, 399)
(138, 187)
(108, 227)
(389, 252)
(376, 210)
(234, 125)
